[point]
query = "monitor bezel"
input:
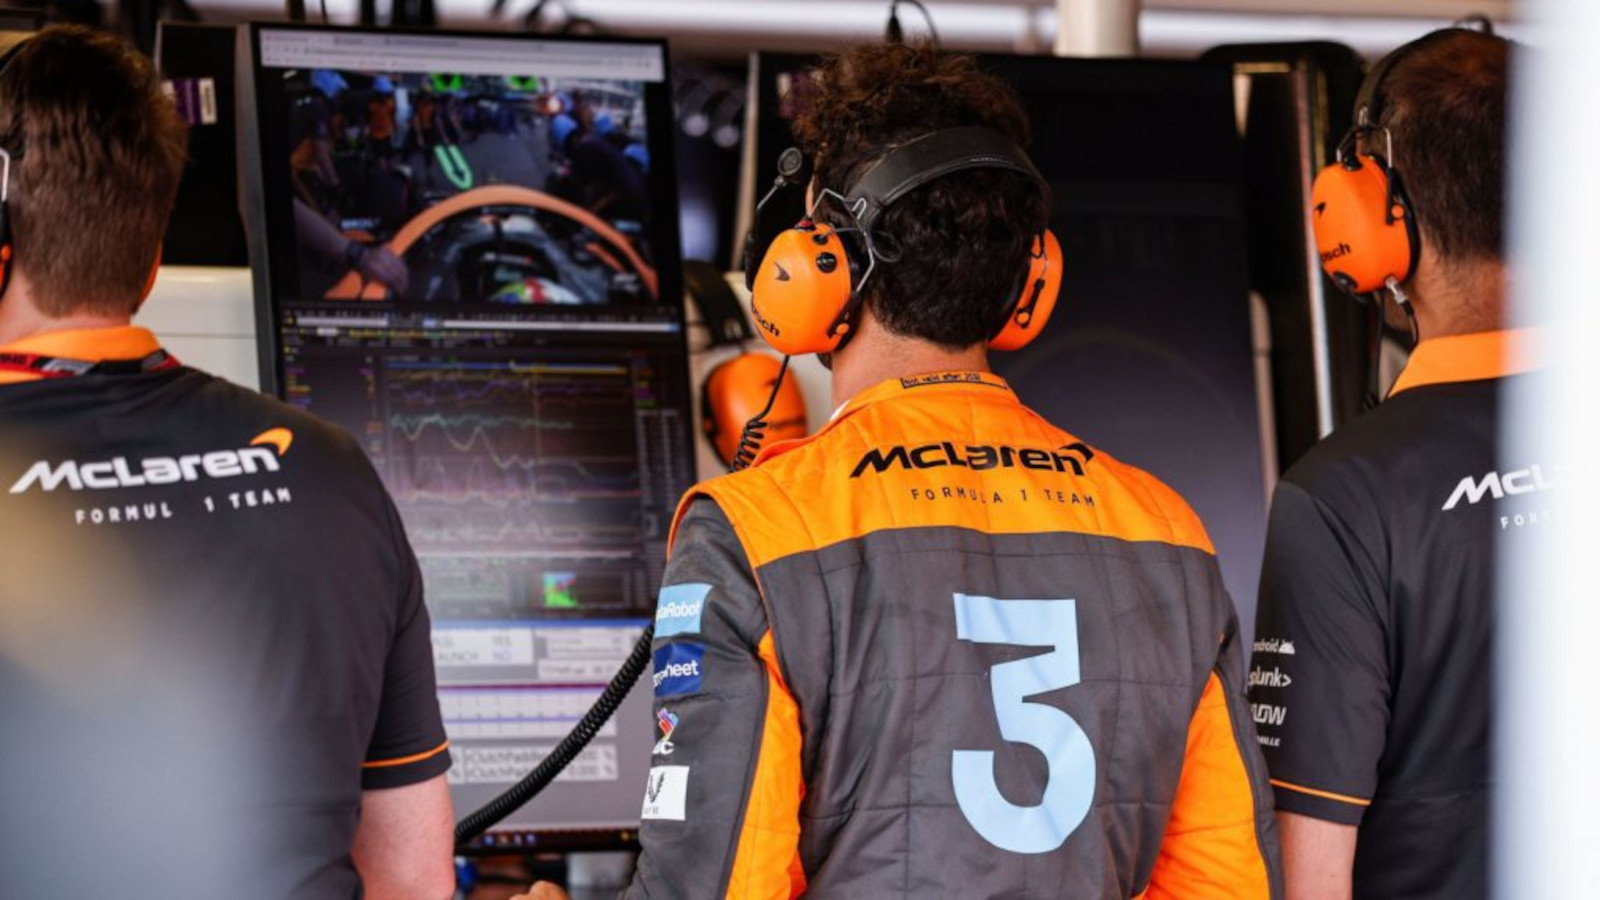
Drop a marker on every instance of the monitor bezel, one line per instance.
(256, 184)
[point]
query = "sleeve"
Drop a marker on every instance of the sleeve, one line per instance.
(408, 743)
(1221, 841)
(722, 800)
(1319, 683)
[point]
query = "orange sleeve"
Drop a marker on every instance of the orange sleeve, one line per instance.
(1212, 849)
(766, 863)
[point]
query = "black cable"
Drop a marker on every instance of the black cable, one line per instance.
(756, 429)
(565, 752)
(933, 33)
(324, 12)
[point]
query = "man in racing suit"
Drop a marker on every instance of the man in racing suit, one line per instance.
(943, 648)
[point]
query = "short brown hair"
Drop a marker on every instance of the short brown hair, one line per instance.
(96, 155)
(1444, 102)
(962, 240)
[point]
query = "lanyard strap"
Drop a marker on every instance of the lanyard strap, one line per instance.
(62, 367)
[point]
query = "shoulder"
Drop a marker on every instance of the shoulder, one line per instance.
(1400, 443)
(239, 408)
(1154, 498)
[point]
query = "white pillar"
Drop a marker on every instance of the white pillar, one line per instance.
(1547, 717)
(1097, 27)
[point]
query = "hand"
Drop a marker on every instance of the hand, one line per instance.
(543, 890)
(381, 265)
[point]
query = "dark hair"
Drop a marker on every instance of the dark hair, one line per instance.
(1444, 102)
(97, 153)
(962, 241)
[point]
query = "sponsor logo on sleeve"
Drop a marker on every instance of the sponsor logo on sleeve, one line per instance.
(1267, 714)
(1274, 645)
(678, 669)
(1276, 678)
(668, 722)
(679, 608)
(666, 793)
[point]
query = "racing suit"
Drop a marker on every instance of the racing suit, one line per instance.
(944, 649)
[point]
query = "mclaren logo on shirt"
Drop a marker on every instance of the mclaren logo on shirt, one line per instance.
(976, 457)
(1500, 485)
(261, 455)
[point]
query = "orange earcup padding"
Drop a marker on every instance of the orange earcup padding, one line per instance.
(736, 391)
(802, 290)
(1032, 309)
(1364, 230)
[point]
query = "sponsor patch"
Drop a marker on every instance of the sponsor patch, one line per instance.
(1273, 678)
(1268, 714)
(1274, 645)
(666, 793)
(668, 722)
(678, 669)
(679, 608)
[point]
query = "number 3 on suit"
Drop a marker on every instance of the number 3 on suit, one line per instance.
(1069, 786)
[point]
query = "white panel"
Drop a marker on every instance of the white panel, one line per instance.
(206, 317)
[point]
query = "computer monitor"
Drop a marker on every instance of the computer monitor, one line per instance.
(1149, 354)
(468, 257)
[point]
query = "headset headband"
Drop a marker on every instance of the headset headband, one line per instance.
(1370, 98)
(933, 156)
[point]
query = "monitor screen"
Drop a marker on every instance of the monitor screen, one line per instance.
(1148, 355)
(470, 263)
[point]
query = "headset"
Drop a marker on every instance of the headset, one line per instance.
(806, 294)
(733, 394)
(1363, 221)
(1361, 217)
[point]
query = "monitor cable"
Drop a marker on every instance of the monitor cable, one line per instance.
(895, 34)
(519, 794)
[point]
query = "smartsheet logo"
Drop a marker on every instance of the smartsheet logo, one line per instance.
(678, 669)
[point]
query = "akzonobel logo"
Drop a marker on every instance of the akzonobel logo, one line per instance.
(262, 455)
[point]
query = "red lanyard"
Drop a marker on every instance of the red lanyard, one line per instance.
(62, 367)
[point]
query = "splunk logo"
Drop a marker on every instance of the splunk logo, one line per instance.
(978, 458)
(1501, 485)
(118, 472)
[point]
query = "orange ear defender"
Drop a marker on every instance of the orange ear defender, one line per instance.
(803, 299)
(1035, 300)
(735, 393)
(806, 293)
(1365, 231)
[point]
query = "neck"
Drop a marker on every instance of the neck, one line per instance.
(21, 319)
(1459, 298)
(876, 355)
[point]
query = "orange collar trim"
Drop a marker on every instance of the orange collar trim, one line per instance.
(934, 382)
(1478, 356)
(87, 344)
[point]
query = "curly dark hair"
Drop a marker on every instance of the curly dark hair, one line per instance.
(961, 242)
